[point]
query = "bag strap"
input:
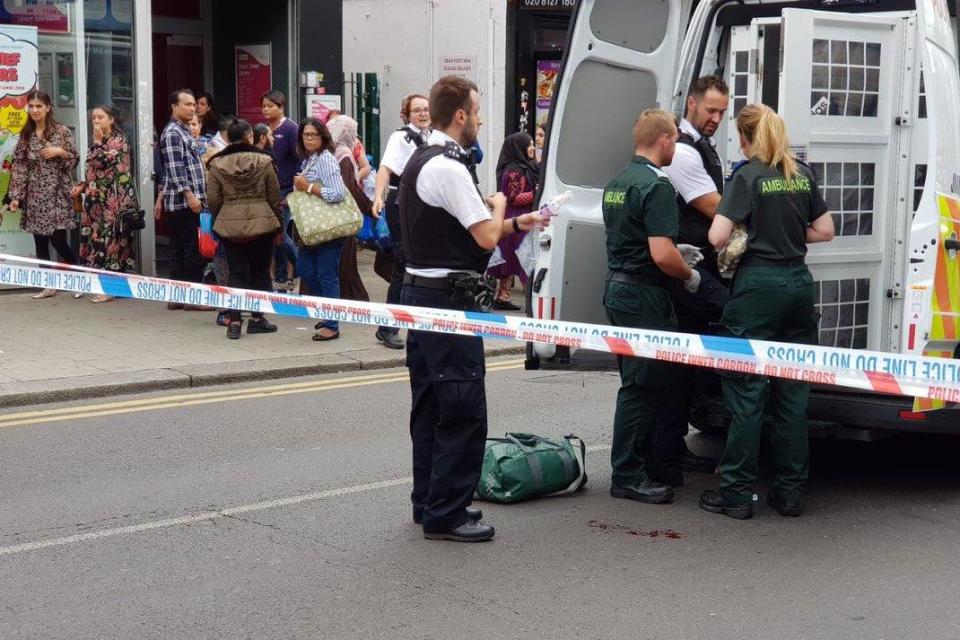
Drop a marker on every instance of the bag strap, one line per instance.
(578, 454)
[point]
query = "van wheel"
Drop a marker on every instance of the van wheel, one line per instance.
(708, 415)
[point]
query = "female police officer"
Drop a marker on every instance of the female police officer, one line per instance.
(777, 200)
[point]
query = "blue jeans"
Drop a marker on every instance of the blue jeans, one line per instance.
(319, 267)
(286, 252)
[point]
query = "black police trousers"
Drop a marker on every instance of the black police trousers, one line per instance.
(695, 313)
(392, 212)
(448, 417)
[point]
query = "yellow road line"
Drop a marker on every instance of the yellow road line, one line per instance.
(188, 400)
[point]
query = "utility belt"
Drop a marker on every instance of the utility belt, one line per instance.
(643, 279)
(760, 261)
(468, 291)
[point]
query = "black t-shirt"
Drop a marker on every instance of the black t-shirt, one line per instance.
(775, 210)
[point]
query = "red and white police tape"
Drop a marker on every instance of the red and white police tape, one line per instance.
(887, 373)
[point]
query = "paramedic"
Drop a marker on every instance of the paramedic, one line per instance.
(640, 216)
(777, 199)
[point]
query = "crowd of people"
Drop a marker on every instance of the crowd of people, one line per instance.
(242, 174)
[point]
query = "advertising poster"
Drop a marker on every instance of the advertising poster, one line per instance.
(547, 71)
(19, 66)
(46, 16)
(254, 78)
(319, 105)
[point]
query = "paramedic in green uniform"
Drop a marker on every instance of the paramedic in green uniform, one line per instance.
(776, 198)
(642, 223)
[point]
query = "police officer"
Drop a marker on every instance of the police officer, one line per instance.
(640, 215)
(697, 174)
(415, 113)
(778, 201)
(449, 234)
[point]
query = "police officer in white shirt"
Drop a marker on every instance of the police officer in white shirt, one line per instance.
(697, 174)
(449, 232)
(415, 112)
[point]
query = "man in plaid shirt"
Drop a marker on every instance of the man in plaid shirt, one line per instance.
(184, 189)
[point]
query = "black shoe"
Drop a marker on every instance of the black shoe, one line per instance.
(714, 502)
(647, 491)
(475, 515)
(790, 508)
(260, 325)
(389, 339)
(234, 330)
(690, 461)
(469, 531)
(504, 305)
(669, 475)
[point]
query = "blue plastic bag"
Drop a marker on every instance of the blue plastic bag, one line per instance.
(375, 234)
(205, 237)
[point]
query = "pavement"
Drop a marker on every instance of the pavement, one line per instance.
(62, 349)
(249, 512)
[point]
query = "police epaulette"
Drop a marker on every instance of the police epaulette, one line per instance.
(453, 151)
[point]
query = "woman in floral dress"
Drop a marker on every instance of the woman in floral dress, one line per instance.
(40, 181)
(109, 190)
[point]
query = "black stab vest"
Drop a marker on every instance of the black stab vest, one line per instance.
(694, 226)
(432, 237)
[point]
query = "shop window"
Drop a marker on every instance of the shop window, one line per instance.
(919, 179)
(845, 79)
(844, 307)
(740, 80)
(634, 25)
(595, 141)
(848, 190)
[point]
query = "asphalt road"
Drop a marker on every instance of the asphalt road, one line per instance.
(287, 516)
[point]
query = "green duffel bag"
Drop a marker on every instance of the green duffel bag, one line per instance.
(523, 466)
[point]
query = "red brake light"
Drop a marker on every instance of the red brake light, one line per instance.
(912, 415)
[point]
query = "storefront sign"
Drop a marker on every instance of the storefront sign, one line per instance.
(547, 72)
(19, 67)
(465, 66)
(254, 78)
(319, 105)
(45, 16)
(556, 5)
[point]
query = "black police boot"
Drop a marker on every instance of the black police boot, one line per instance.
(647, 491)
(260, 325)
(472, 512)
(234, 330)
(690, 461)
(389, 339)
(715, 502)
(469, 531)
(787, 507)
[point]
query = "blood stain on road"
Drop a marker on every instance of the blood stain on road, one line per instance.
(666, 534)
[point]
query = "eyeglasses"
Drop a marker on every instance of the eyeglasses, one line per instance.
(421, 110)
(311, 135)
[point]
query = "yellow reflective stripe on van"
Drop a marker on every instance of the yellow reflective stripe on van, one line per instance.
(946, 280)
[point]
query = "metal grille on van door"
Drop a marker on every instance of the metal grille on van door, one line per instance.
(845, 78)
(844, 307)
(848, 190)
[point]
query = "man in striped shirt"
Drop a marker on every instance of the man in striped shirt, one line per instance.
(184, 189)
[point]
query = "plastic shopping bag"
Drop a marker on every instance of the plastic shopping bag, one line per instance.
(205, 237)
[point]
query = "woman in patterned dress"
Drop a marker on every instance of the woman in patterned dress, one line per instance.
(41, 179)
(109, 190)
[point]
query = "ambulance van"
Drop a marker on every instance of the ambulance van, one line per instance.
(870, 91)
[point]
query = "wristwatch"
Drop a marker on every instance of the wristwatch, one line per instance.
(516, 227)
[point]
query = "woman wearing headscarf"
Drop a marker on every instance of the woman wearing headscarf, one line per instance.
(343, 130)
(517, 176)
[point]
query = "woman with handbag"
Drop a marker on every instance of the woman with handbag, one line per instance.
(244, 197)
(319, 177)
(41, 179)
(106, 225)
(343, 130)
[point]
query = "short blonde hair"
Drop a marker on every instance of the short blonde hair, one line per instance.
(651, 125)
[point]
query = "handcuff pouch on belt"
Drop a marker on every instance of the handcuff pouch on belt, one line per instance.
(472, 291)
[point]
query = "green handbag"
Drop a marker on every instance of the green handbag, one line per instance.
(319, 221)
(523, 466)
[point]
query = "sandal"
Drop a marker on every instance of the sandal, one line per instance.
(319, 337)
(101, 298)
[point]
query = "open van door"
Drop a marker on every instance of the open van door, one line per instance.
(931, 313)
(621, 59)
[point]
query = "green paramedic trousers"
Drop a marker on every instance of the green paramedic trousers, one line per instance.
(768, 303)
(643, 381)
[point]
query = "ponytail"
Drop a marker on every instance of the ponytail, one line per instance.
(767, 133)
